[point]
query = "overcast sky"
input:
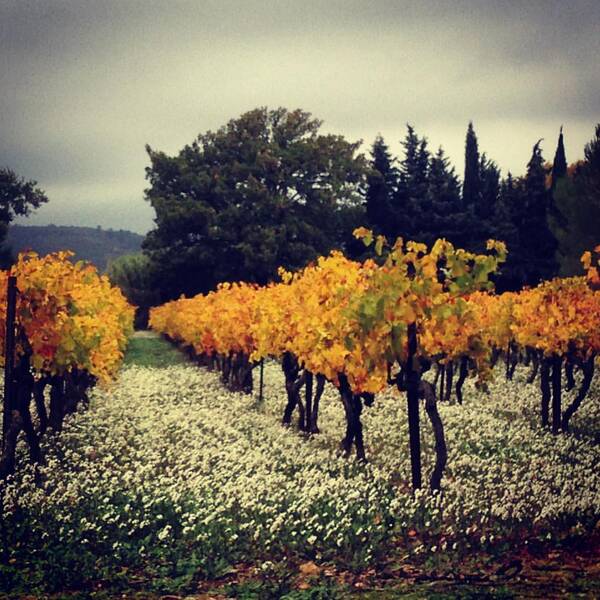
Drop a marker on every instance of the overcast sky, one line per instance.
(85, 85)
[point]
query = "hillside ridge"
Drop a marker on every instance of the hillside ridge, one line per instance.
(95, 244)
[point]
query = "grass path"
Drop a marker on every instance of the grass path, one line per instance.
(147, 349)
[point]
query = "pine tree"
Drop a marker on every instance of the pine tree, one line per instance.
(489, 181)
(411, 203)
(446, 219)
(382, 186)
(508, 222)
(537, 240)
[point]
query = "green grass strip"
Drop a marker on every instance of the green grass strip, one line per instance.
(148, 350)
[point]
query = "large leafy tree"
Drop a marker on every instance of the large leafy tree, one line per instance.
(17, 198)
(266, 190)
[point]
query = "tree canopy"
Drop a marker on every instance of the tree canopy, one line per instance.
(577, 197)
(265, 190)
(17, 198)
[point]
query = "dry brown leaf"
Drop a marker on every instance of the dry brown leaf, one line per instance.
(309, 568)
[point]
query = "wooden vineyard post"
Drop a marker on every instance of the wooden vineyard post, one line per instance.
(9, 354)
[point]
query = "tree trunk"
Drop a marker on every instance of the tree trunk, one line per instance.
(546, 392)
(449, 371)
(226, 369)
(308, 393)
(24, 391)
(462, 376)
(412, 397)
(496, 353)
(588, 375)
(293, 384)
(353, 409)
(348, 439)
(71, 394)
(556, 393)
(358, 430)
(535, 362)
(514, 361)
(248, 381)
(441, 453)
(314, 419)
(40, 404)
(569, 368)
(11, 434)
(57, 409)
(240, 374)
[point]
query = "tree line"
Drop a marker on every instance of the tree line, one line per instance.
(269, 190)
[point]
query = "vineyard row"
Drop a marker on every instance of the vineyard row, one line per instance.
(364, 326)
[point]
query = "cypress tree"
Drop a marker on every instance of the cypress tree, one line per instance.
(414, 166)
(471, 182)
(559, 166)
(578, 198)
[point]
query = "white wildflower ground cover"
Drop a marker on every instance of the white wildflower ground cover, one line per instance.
(169, 474)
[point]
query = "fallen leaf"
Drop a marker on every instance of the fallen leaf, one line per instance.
(309, 568)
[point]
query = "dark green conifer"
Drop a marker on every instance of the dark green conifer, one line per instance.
(382, 186)
(471, 182)
(538, 242)
(559, 166)
(445, 219)
(508, 221)
(410, 203)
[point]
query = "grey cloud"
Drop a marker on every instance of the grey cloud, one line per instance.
(85, 85)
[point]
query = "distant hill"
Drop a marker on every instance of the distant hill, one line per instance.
(94, 244)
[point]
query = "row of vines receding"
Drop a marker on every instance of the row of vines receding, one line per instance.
(410, 311)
